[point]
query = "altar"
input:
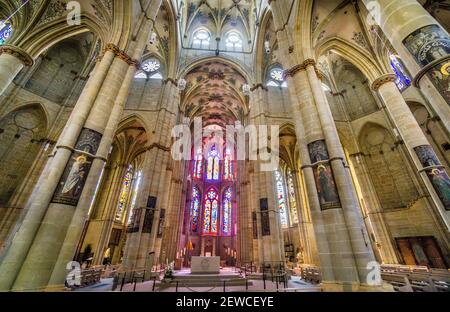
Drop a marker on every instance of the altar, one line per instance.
(205, 265)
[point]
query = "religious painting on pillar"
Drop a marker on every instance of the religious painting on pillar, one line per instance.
(162, 216)
(255, 225)
(74, 177)
(323, 176)
(265, 222)
(148, 220)
(135, 221)
(429, 44)
(435, 172)
(439, 75)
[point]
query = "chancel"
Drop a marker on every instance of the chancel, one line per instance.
(224, 145)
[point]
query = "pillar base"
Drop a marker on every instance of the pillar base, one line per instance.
(55, 288)
(355, 287)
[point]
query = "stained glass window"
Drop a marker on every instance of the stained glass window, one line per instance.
(276, 78)
(402, 79)
(228, 166)
(226, 229)
(233, 41)
(281, 197)
(210, 212)
(212, 168)
(124, 194)
(137, 184)
(292, 199)
(198, 163)
(151, 65)
(195, 208)
(5, 31)
(201, 39)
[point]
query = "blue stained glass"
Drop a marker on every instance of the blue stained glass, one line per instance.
(195, 209)
(5, 32)
(402, 79)
(227, 212)
(210, 212)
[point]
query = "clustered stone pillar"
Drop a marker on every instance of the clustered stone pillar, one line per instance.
(12, 60)
(423, 46)
(270, 238)
(431, 170)
(47, 239)
(152, 205)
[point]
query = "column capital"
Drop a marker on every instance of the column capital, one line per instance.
(382, 80)
(17, 52)
(122, 55)
(258, 85)
(291, 72)
(173, 81)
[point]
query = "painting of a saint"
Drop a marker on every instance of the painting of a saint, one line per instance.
(440, 77)
(326, 187)
(436, 174)
(73, 179)
(428, 44)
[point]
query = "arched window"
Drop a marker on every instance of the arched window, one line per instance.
(195, 208)
(226, 203)
(5, 31)
(292, 200)
(210, 212)
(198, 164)
(212, 167)
(137, 184)
(402, 79)
(124, 194)
(228, 165)
(233, 41)
(276, 78)
(281, 198)
(151, 69)
(201, 39)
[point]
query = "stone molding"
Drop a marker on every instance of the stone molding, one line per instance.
(23, 56)
(382, 80)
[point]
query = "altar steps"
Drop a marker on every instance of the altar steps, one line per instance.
(209, 280)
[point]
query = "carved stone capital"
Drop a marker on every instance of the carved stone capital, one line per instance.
(382, 80)
(23, 56)
(256, 86)
(122, 55)
(301, 67)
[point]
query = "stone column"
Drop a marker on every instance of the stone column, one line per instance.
(16, 254)
(12, 60)
(423, 46)
(271, 249)
(431, 170)
(140, 243)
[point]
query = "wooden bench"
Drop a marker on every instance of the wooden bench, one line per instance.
(400, 282)
(417, 279)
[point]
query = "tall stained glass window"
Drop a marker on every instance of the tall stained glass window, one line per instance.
(195, 208)
(228, 165)
(281, 197)
(5, 31)
(292, 199)
(226, 228)
(126, 184)
(198, 163)
(137, 184)
(402, 79)
(212, 168)
(210, 212)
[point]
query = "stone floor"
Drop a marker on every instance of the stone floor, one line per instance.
(295, 284)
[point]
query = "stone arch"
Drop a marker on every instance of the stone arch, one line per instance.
(22, 133)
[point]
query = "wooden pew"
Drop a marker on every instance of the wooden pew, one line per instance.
(400, 282)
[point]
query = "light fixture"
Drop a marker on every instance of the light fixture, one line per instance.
(153, 38)
(246, 89)
(267, 46)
